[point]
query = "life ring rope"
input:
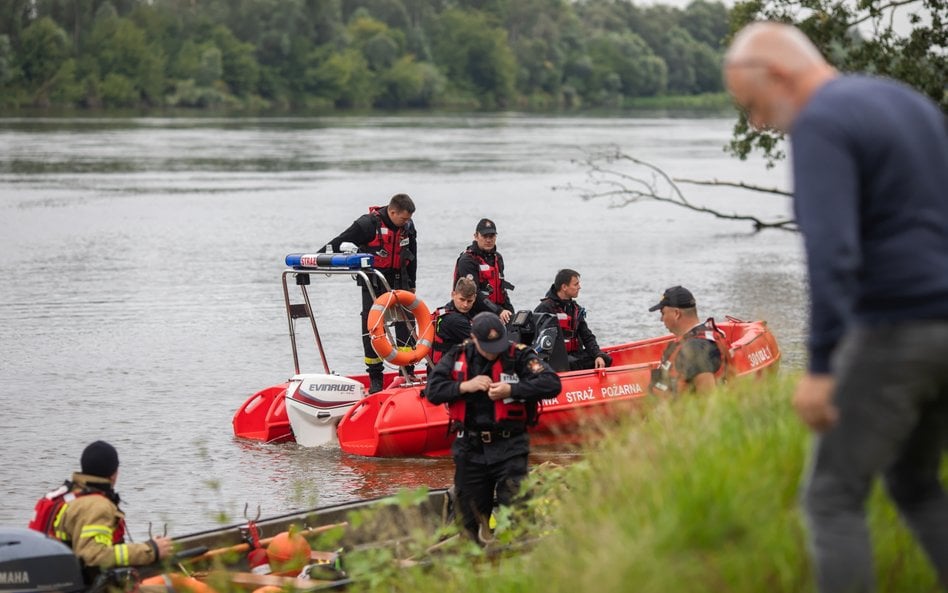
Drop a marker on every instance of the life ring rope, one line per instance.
(383, 346)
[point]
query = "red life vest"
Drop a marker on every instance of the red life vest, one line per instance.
(438, 347)
(666, 377)
(48, 512)
(387, 244)
(507, 411)
(569, 324)
(489, 275)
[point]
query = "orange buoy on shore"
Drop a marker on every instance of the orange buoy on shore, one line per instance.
(180, 583)
(288, 553)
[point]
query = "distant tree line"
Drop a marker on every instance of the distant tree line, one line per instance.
(355, 53)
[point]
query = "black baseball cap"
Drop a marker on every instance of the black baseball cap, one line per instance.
(490, 332)
(676, 296)
(486, 226)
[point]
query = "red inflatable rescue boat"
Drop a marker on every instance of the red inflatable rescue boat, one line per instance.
(400, 422)
(319, 408)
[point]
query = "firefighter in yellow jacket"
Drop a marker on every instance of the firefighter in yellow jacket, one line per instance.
(84, 514)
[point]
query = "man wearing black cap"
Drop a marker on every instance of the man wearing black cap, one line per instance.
(482, 263)
(388, 233)
(492, 387)
(84, 514)
(697, 358)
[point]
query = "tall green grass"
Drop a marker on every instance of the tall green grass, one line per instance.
(698, 494)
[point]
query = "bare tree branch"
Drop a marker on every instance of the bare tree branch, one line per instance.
(606, 178)
(738, 184)
(878, 12)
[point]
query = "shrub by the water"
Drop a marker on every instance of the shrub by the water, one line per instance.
(699, 494)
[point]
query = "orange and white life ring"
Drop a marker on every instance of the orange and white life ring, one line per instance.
(375, 323)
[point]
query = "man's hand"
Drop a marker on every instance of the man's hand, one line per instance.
(600, 362)
(499, 390)
(164, 546)
(505, 316)
(813, 401)
(478, 383)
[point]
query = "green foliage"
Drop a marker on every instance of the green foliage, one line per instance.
(7, 69)
(345, 79)
(123, 56)
(118, 91)
(43, 49)
(66, 89)
(624, 64)
(239, 68)
(856, 37)
(697, 494)
(354, 53)
(210, 67)
(410, 84)
(706, 22)
(475, 56)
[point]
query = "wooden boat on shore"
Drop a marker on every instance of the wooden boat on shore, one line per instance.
(222, 556)
(316, 409)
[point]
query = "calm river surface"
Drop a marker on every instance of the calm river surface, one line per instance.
(140, 263)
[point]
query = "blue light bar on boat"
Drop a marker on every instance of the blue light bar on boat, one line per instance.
(348, 261)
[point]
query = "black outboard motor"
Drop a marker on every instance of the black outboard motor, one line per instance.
(541, 331)
(31, 562)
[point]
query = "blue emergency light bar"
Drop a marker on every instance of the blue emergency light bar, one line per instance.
(347, 261)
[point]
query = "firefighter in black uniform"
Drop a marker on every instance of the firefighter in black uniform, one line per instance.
(482, 263)
(698, 357)
(389, 234)
(582, 349)
(492, 387)
(453, 320)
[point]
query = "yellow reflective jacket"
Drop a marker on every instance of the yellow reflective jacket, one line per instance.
(88, 524)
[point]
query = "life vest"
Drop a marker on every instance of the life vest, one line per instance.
(489, 276)
(666, 377)
(508, 413)
(438, 346)
(50, 509)
(569, 324)
(387, 244)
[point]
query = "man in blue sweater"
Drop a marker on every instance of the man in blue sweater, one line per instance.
(870, 168)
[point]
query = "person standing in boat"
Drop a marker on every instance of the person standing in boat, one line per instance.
(870, 176)
(697, 358)
(453, 320)
(482, 263)
(84, 514)
(388, 233)
(582, 349)
(492, 388)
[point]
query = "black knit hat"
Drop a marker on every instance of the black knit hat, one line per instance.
(100, 459)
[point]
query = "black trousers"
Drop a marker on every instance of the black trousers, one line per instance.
(482, 470)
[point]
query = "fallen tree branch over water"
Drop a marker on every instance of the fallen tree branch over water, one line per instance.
(737, 184)
(627, 180)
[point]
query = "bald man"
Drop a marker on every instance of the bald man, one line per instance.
(870, 168)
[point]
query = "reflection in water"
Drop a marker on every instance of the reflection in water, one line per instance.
(141, 258)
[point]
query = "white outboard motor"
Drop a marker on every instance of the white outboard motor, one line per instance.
(316, 403)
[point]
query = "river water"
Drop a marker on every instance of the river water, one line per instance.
(140, 263)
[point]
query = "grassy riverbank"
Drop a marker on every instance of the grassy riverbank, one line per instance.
(699, 496)
(702, 102)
